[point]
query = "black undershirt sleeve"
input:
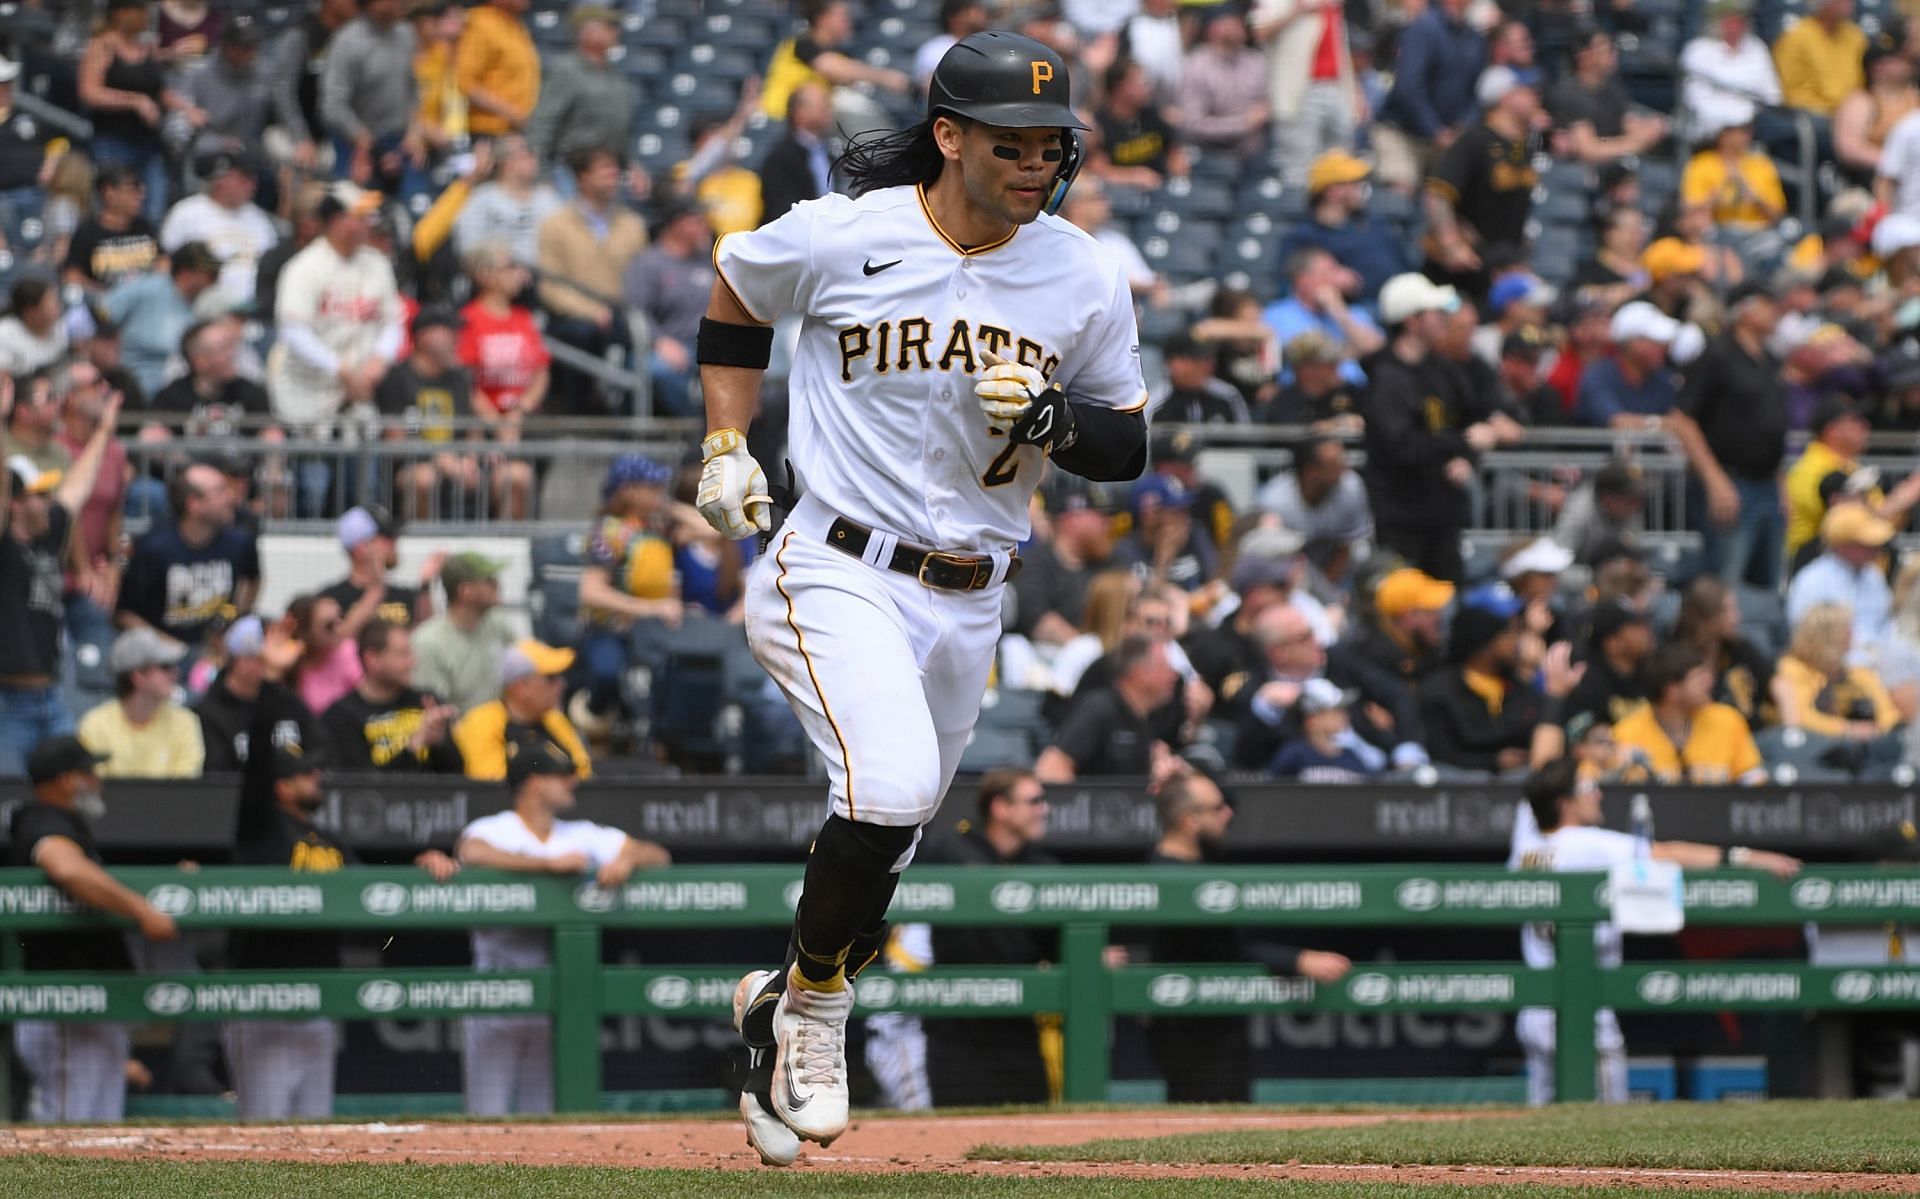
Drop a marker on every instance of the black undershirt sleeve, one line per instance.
(1110, 446)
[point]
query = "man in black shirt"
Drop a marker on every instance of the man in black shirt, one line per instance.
(1318, 396)
(78, 1070)
(249, 684)
(1051, 590)
(384, 723)
(38, 508)
(187, 574)
(28, 152)
(1591, 109)
(1193, 395)
(116, 242)
(1731, 423)
(1136, 146)
(1421, 437)
(284, 1068)
(1209, 1059)
(429, 392)
(213, 395)
(987, 1062)
(1476, 714)
(368, 535)
(1619, 638)
(1481, 191)
(1110, 732)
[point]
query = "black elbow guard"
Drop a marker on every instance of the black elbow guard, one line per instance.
(1109, 446)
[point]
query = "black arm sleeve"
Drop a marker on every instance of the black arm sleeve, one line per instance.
(1110, 446)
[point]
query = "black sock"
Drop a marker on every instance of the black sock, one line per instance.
(849, 883)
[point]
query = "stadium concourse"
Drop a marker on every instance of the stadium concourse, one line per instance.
(1525, 382)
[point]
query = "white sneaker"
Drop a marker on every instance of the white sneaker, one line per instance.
(810, 1062)
(767, 1133)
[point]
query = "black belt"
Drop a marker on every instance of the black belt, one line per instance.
(935, 568)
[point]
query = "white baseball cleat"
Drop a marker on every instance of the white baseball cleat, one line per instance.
(767, 1133)
(810, 1062)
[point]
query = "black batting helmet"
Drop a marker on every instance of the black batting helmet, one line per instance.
(1004, 79)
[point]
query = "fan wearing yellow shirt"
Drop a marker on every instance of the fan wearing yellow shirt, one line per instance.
(141, 732)
(1821, 58)
(533, 677)
(1737, 181)
(629, 578)
(1682, 736)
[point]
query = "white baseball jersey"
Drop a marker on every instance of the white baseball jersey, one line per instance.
(528, 948)
(897, 317)
(349, 306)
(1576, 848)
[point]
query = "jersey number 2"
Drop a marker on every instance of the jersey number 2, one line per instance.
(1004, 468)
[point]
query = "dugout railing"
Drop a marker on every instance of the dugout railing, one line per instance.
(1085, 902)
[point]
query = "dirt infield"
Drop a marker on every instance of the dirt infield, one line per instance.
(877, 1146)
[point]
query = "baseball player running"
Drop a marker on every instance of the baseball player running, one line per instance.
(955, 335)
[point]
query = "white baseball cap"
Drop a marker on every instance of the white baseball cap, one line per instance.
(1896, 231)
(9, 70)
(1404, 297)
(1641, 319)
(1542, 555)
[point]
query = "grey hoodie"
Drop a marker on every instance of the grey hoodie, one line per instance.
(368, 80)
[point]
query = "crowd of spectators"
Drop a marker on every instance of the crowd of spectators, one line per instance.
(1424, 232)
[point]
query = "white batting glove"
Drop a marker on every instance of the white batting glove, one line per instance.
(1006, 391)
(733, 489)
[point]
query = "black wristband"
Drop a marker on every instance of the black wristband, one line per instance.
(1109, 445)
(722, 343)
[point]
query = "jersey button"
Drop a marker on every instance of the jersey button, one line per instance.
(939, 454)
(962, 293)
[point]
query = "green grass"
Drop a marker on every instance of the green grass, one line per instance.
(1781, 1135)
(90, 1178)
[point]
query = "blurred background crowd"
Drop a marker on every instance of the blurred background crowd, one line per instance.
(1527, 378)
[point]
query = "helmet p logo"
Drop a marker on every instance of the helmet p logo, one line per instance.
(1042, 73)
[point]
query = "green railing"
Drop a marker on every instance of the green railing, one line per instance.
(1086, 903)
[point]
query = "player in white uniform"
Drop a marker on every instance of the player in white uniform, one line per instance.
(1567, 810)
(954, 337)
(508, 1060)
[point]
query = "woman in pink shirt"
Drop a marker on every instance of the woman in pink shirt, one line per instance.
(329, 667)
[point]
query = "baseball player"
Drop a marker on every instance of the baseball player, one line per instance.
(1567, 810)
(954, 336)
(509, 1059)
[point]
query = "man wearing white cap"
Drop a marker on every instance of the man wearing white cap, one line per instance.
(141, 731)
(1423, 432)
(39, 509)
(368, 534)
(1480, 194)
(1634, 389)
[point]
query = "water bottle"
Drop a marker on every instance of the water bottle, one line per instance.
(1642, 826)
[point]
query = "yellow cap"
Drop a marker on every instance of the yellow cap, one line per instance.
(1670, 256)
(1409, 590)
(529, 658)
(1333, 168)
(1855, 524)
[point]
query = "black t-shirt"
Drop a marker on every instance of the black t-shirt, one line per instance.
(1604, 107)
(23, 148)
(1216, 403)
(1743, 680)
(1045, 584)
(104, 950)
(1603, 694)
(31, 610)
(1104, 737)
(216, 417)
(181, 589)
(429, 405)
(397, 607)
(107, 257)
(266, 275)
(1595, 273)
(369, 736)
(1490, 181)
(1293, 406)
(1142, 140)
(1740, 404)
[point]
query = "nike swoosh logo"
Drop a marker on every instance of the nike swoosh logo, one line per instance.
(795, 1100)
(871, 269)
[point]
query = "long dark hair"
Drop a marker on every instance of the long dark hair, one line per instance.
(892, 158)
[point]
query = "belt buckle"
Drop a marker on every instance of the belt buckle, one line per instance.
(955, 560)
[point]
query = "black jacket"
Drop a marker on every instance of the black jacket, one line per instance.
(785, 179)
(1368, 645)
(1462, 731)
(227, 721)
(1416, 417)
